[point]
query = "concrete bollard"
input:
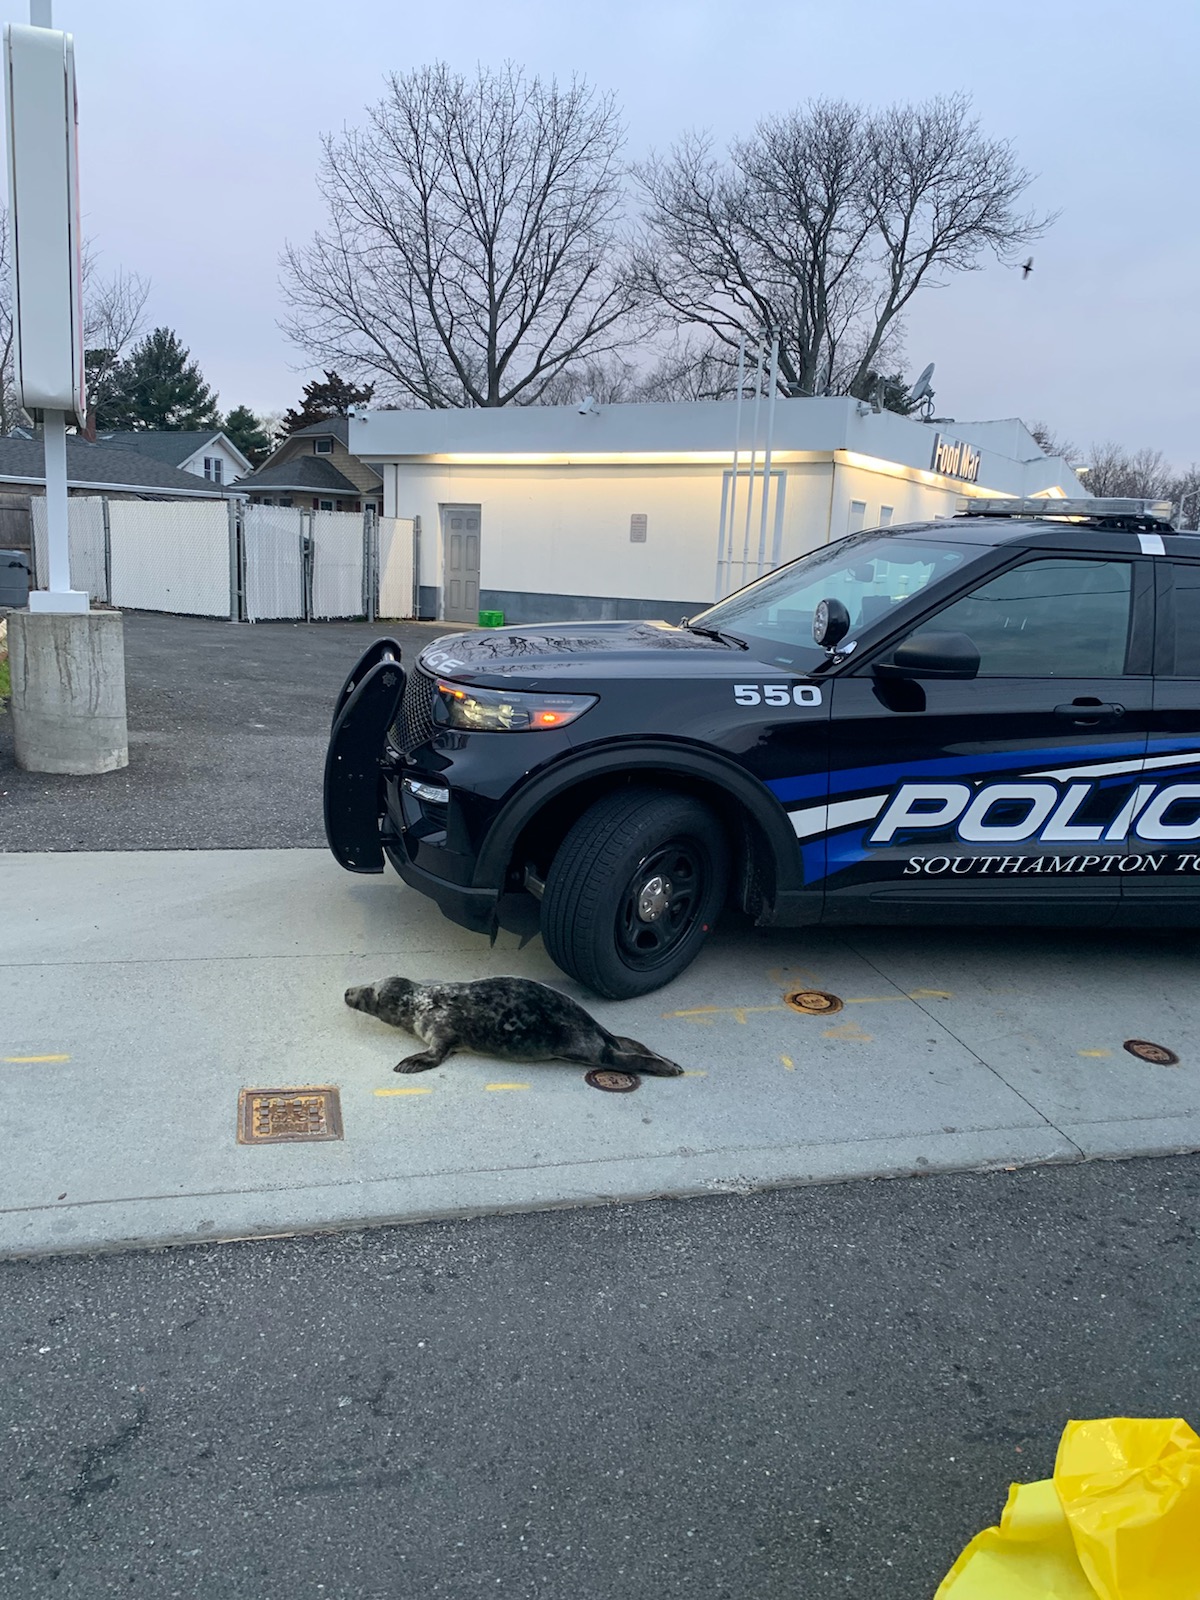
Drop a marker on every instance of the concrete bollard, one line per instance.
(68, 691)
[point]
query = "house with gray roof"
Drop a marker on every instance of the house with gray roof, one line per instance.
(100, 469)
(314, 470)
(206, 452)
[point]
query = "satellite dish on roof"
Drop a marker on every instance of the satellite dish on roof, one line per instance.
(923, 385)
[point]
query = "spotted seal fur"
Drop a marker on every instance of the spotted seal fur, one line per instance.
(509, 1017)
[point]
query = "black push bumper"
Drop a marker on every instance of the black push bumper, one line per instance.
(354, 792)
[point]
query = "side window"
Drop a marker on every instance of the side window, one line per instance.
(1055, 618)
(1186, 578)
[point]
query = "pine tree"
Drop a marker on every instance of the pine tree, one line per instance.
(320, 401)
(243, 429)
(160, 387)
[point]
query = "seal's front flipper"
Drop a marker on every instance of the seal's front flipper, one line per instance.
(421, 1062)
(627, 1055)
(439, 1048)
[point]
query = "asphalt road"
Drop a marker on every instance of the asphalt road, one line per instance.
(791, 1396)
(227, 731)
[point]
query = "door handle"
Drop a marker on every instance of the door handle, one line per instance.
(1088, 713)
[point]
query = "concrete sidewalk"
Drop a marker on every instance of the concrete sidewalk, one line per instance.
(140, 992)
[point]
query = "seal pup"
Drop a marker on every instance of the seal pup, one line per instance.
(512, 1017)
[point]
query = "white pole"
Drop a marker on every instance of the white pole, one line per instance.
(753, 458)
(723, 584)
(54, 432)
(773, 380)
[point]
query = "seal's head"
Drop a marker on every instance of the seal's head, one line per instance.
(390, 1001)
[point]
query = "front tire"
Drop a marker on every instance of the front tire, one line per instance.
(634, 890)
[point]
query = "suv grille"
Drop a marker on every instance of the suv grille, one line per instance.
(412, 725)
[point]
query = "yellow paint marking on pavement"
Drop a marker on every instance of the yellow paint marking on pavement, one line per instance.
(403, 1091)
(24, 1061)
(791, 977)
(851, 1031)
(706, 1014)
(788, 1063)
(688, 1074)
(494, 1086)
(1095, 1052)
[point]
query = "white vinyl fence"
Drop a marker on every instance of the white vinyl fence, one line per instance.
(170, 555)
(210, 558)
(395, 569)
(273, 555)
(339, 551)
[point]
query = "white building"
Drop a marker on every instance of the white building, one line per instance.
(555, 513)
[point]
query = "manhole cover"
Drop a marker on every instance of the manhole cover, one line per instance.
(288, 1116)
(1156, 1054)
(612, 1082)
(813, 1002)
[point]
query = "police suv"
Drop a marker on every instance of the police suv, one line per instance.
(989, 718)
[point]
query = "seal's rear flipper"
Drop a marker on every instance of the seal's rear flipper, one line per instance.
(629, 1056)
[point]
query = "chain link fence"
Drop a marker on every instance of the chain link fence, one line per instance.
(227, 558)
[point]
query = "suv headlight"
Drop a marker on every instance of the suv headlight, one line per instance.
(498, 711)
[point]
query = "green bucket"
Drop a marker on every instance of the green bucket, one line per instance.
(491, 619)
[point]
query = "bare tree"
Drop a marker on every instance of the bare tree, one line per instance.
(113, 316)
(688, 370)
(823, 226)
(471, 251)
(610, 380)
(1138, 474)
(691, 371)
(1053, 445)
(1185, 492)
(11, 414)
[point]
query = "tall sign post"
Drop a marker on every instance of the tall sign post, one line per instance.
(43, 186)
(68, 662)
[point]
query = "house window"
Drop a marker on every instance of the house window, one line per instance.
(214, 468)
(857, 517)
(326, 505)
(885, 515)
(267, 501)
(286, 502)
(323, 447)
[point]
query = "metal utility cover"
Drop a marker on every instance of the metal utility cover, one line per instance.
(289, 1116)
(612, 1082)
(1156, 1054)
(813, 1002)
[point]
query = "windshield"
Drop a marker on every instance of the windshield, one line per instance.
(870, 573)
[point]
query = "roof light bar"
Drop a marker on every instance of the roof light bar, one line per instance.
(1039, 506)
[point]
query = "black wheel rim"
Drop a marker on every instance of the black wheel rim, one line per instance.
(661, 903)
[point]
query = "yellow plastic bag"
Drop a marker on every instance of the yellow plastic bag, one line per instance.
(1120, 1520)
(1130, 1488)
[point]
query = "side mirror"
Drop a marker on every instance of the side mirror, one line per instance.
(933, 655)
(831, 623)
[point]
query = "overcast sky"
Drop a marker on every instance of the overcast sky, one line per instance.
(200, 127)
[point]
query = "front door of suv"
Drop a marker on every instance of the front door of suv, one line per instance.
(1006, 797)
(1167, 889)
